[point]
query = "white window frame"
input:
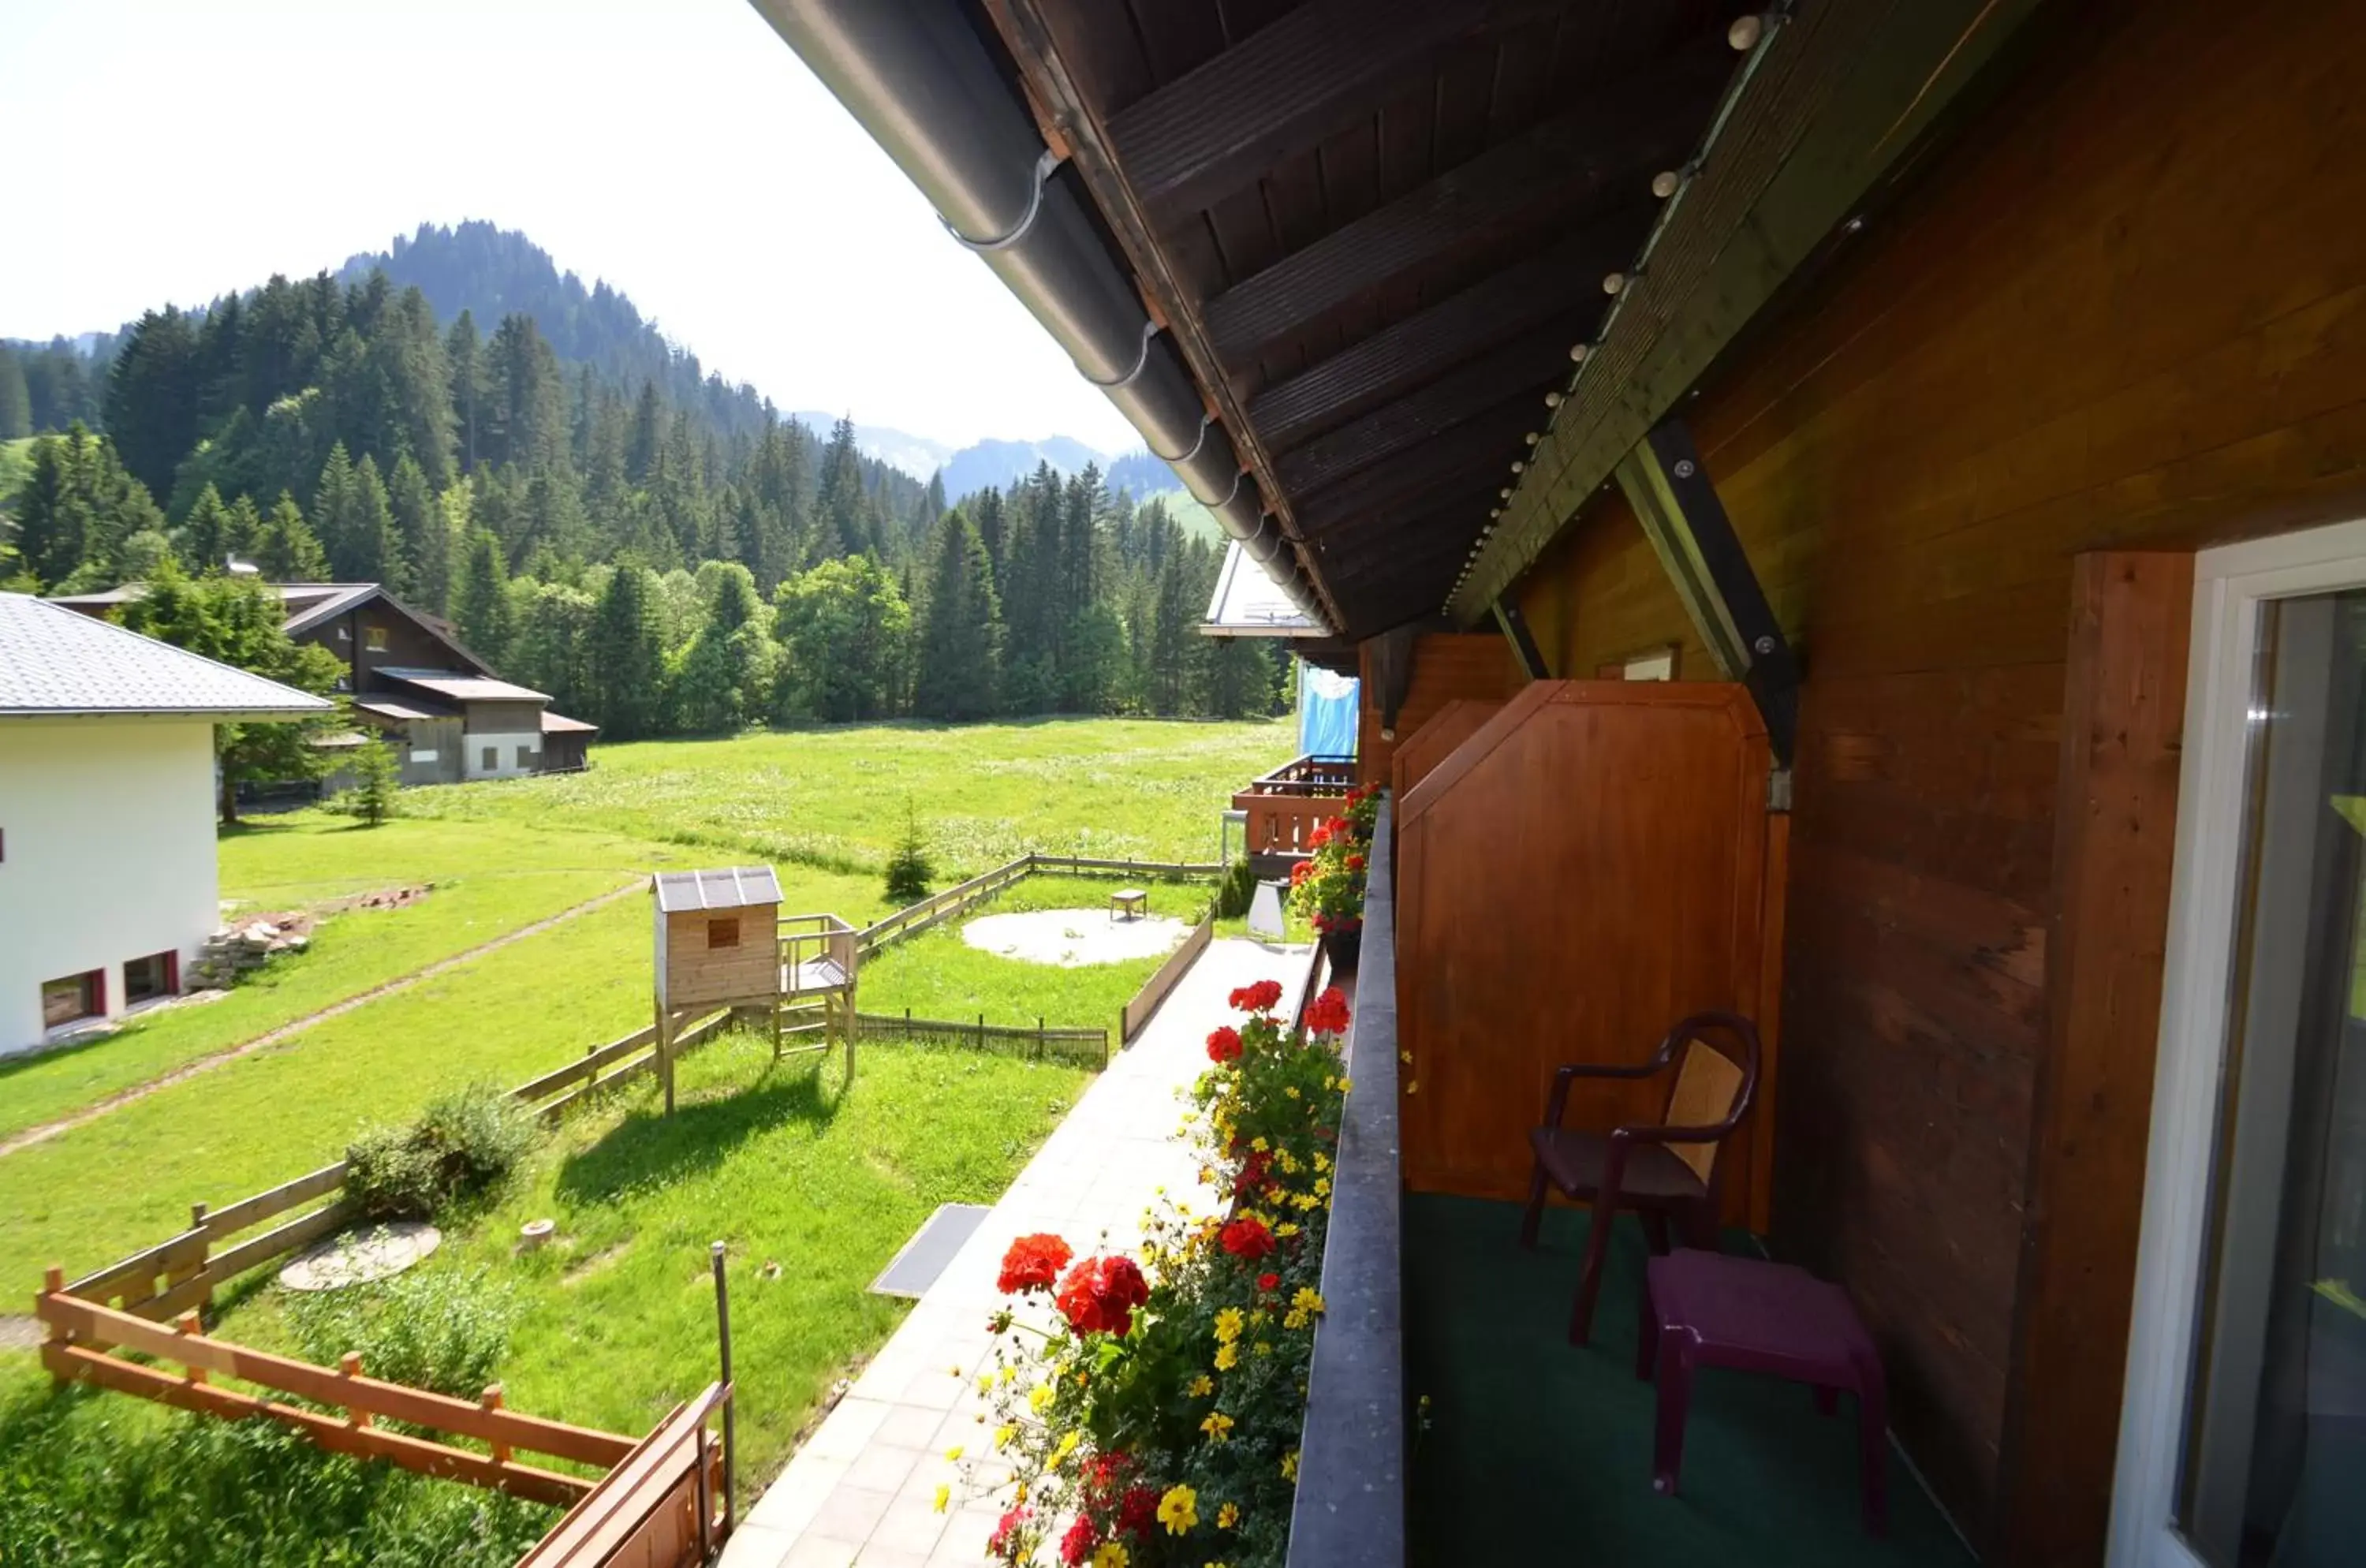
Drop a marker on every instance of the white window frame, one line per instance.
(2229, 584)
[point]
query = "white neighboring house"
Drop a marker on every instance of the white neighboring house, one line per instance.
(108, 886)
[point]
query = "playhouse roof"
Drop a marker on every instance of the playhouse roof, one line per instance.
(735, 887)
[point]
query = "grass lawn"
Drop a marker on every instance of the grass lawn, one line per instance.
(490, 878)
(834, 797)
(938, 976)
(812, 1188)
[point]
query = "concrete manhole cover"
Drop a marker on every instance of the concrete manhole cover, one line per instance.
(1071, 938)
(359, 1257)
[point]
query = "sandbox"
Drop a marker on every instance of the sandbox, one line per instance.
(1073, 937)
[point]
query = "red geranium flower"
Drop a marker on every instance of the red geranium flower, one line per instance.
(1354, 863)
(1225, 1045)
(1254, 1171)
(1263, 997)
(1100, 1294)
(1033, 1263)
(1320, 836)
(1268, 1281)
(1301, 872)
(1247, 1237)
(1005, 1538)
(1077, 1546)
(1328, 1014)
(1138, 1514)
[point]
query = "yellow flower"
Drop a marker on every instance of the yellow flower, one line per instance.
(1285, 1230)
(1067, 1446)
(1321, 1162)
(1228, 1324)
(1039, 1398)
(985, 1383)
(1227, 1517)
(1109, 1554)
(1414, 1088)
(1202, 1386)
(1264, 1347)
(952, 1455)
(1296, 1318)
(1228, 1356)
(1007, 1375)
(1291, 1090)
(1290, 1465)
(1258, 1145)
(1322, 1187)
(1406, 1057)
(1003, 1435)
(945, 1496)
(1218, 1426)
(1179, 1509)
(1347, 1086)
(1307, 1299)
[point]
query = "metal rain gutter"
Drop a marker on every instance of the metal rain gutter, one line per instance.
(917, 79)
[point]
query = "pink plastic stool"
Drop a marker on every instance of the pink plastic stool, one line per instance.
(1709, 1310)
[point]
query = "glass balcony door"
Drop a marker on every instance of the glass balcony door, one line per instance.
(2244, 1437)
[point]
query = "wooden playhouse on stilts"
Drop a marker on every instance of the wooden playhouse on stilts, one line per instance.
(722, 943)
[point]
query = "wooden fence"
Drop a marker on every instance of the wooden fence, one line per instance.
(1088, 1046)
(82, 1335)
(656, 1507)
(1178, 964)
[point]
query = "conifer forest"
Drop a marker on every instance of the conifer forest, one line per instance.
(600, 519)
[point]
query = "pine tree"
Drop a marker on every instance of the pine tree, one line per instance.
(480, 599)
(627, 656)
(960, 648)
(15, 397)
(205, 536)
(645, 437)
(289, 551)
(377, 556)
(330, 512)
(910, 870)
(152, 396)
(841, 518)
(242, 532)
(464, 363)
(377, 778)
(422, 544)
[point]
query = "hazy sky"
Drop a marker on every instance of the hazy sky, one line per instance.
(677, 147)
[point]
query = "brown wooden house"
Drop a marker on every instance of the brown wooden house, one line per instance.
(1964, 398)
(446, 713)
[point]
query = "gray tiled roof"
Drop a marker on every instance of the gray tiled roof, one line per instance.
(735, 887)
(54, 660)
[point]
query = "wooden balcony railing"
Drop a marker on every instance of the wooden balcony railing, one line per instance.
(1281, 808)
(1351, 1466)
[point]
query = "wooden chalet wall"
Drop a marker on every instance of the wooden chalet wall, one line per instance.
(1417, 753)
(697, 975)
(1533, 933)
(2126, 309)
(1446, 665)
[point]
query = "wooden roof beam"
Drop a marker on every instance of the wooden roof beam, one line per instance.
(1528, 297)
(1583, 159)
(1283, 89)
(1473, 458)
(1531, 363)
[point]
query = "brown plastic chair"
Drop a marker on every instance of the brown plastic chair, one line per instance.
(1663, 1171)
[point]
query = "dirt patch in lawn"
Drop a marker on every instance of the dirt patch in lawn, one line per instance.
(1072, 938)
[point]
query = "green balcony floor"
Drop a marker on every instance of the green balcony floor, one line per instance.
(1539, 1452)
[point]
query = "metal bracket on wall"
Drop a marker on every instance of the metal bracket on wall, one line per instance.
(1391, 667)
(1524, 643)
(1674, 498)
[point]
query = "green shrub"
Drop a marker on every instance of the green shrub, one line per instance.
(910, 871)
(90, 1478)
(462, 1145)
(1233, 894)
(442, 1329)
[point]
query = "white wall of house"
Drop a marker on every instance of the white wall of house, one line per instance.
(106, 854)
(506, 748)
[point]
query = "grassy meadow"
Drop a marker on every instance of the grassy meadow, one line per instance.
(836, 797)
(814, 1183)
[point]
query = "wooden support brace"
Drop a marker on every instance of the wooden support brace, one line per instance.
(350, 1365)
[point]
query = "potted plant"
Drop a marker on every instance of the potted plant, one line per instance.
(1328, 887)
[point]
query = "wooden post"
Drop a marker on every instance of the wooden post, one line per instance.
(665, 1057)
(205, 1253)
(53, 1283)
(489, 1401)
(350, 1365)
(187, 1326)
(730, 1429)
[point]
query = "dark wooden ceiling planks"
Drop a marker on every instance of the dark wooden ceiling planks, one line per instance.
(1375, 227)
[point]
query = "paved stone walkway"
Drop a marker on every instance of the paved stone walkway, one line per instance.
(862, 1489)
